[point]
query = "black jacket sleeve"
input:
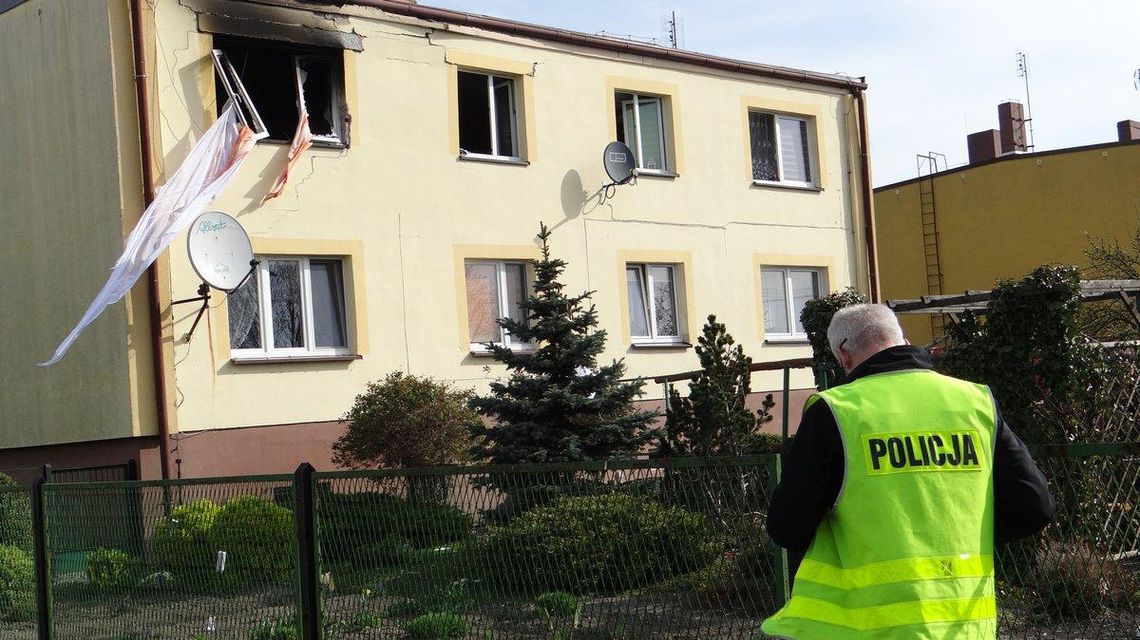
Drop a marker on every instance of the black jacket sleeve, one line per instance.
(810, 482)
(1023, 504)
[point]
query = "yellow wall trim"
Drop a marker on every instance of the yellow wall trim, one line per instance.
(670, 111)
(824, 263)
(522, 72)
(356, 302)
(813, 112)
(464, 252)
(686, 295)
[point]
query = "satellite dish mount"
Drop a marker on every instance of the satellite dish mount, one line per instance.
(222, 256)
(621, 167)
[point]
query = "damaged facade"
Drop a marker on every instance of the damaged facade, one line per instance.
(436, 143)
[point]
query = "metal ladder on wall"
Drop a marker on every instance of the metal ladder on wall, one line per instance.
(928, 166)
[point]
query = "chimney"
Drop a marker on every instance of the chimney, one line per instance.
(1011, 121)
(1128, 130)
(984, 145)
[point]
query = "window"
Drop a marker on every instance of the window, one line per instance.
(641, 126)
(494, 290)
(488, 121)
(653, 317)
(290, 306)
(785, 291)
(781, 149)
(278, 76)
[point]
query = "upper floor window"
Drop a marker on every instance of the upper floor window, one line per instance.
(653, 316)
(494, 290)
(488, 116)
(290, 306)
(641, 126)
(786, 290)
(277, 76)
(782, 149)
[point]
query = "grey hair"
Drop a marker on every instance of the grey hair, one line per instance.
(861, 327)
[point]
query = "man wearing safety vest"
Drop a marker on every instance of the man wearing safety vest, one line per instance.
(893, 492)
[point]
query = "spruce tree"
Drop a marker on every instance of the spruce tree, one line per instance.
(558, 405)
(714, 419)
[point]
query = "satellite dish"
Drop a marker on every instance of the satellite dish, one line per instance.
(619, 162)
(219, 250)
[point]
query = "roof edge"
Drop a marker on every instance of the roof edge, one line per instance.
(539, 32)
(1008, 158)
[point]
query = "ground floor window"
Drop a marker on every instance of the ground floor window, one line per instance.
(785, 291)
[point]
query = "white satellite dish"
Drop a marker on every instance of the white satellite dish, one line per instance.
(219, 250)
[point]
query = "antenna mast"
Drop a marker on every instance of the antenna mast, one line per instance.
(1023, 72)
(674, 30)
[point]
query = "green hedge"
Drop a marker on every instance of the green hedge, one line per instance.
(113, 569)
(606, 544)
(258, 538)
(17, 585)
(15, 515)
(373, 527)
(183, 541)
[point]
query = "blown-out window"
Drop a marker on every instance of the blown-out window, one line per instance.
(641, 126)
(488, 118)
(278, 77)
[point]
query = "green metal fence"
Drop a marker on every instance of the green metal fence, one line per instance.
(630, 549)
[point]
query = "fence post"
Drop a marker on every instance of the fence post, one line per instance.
(308, 566)
(786, 400)
(132, 470)
(783, 589)
(45, 473)
(42, 559)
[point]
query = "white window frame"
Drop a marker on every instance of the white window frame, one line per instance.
(336, 107)
(637, 150)
(505, 338)
(811, 151)
(265, 313)
(496, 152)
(789, 300)
(645, 273)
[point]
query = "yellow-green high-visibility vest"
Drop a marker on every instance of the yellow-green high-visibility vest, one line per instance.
(907, 550)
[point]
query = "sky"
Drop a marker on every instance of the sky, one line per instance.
(937, 69)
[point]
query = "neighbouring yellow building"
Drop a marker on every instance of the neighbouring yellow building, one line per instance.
(1004, 214)
(441, 141)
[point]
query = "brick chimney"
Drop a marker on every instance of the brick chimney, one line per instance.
(1128, 130)
(1011, 122)
(984, 145)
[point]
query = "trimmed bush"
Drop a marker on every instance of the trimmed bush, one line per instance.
(183, 541)
(387, 552)
(605, 544)
(17, 585)
(436, 626)
(257, 537)
(15, 515)
(113, 569)
(354, 521)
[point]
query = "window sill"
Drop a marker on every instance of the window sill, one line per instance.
(656, 173)
(787, 340)
(484, 353)
(478, 157)
(347, 357)
(317, 144)
(660, 345)
(784, 185)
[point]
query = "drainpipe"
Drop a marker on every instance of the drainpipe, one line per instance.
(158, 359)
(868, 202)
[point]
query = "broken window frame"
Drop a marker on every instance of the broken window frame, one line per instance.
(493, 81)
(247, 112)
(336, 106)
(249, 115)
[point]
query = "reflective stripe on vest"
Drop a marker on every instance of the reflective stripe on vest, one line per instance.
(907, 551)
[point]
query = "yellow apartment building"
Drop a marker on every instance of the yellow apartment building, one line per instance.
(441, 141)
(1004, 214)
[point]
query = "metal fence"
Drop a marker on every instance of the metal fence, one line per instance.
(630, 549)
